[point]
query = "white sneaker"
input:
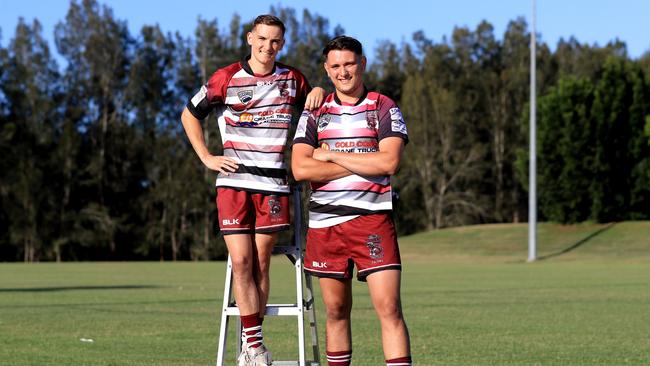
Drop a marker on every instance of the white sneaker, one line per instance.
(244, 359)
(259, 356)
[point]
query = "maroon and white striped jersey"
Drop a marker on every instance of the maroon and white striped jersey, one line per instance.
(353, 129)
(253, 113)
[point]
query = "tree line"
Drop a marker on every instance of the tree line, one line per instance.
(94, 164)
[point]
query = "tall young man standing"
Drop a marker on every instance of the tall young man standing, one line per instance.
(348, 149)
(254, 100)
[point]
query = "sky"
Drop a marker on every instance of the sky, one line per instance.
(589, 21)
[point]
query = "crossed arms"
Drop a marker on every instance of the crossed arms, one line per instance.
(319, 165)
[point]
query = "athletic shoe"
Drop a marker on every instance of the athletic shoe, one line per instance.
(259, 356)
(244, 359)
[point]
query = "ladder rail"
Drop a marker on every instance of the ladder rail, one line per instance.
(297, 234)
(223, 326)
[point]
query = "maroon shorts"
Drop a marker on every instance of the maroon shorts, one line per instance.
(369, 242)
(242, 212)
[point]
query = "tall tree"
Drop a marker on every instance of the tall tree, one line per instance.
(507, 91)
(639, 145)
(150, 94)
(441, 162)
(566, 137)
(389, 71)
(29, 85)
(210, 53)
(584, 60)
(618, 111)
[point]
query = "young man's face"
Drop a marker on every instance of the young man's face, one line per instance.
(345, 69)
(265, 41)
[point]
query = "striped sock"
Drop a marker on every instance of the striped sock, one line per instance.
(252, 330)
(402, 361)
(340, 358)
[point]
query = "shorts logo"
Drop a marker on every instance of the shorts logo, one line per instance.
(323, 121)
(228, 222)
(374, 246)
(372, 118)
(275, 207)
(245, 96)
(319, 264)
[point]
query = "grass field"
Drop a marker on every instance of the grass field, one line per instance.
(469, 299)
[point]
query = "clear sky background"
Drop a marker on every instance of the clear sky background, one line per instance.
(589, 21)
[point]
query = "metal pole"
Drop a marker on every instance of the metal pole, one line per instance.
(532, 166)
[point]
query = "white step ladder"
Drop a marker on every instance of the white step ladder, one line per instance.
(297, 309)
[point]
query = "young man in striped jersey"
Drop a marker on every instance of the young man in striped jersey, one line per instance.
(254, 100)
(348, 148)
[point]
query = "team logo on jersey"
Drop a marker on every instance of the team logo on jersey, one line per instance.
(245, 96)
(324, 146)
(323, 121)
(372, 119)
(275, 207)
(374, 246)
(284, 89)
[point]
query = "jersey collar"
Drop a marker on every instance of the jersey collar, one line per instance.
(244, 65)
(361, 98)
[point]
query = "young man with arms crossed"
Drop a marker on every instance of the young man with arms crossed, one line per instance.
(348, 148)
(254, 100)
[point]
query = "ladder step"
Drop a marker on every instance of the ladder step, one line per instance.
(271, 309)
(282, 249)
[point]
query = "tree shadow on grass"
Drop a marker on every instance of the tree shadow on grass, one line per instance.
(579, 243)
(76, 288)
(101, 306)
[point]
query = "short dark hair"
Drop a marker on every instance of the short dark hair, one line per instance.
(268, 19)
(343, 43)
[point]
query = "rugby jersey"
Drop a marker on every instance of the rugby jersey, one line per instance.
(253, 113)
(353, 129)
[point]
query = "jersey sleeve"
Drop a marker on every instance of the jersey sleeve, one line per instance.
(302, 89)
(306, 132)
(211, 94)
(391, 121)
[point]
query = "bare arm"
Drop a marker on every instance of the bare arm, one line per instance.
(383, 162)
(194, 133)
(305, 167)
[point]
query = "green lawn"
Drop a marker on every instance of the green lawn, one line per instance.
(469, 299)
